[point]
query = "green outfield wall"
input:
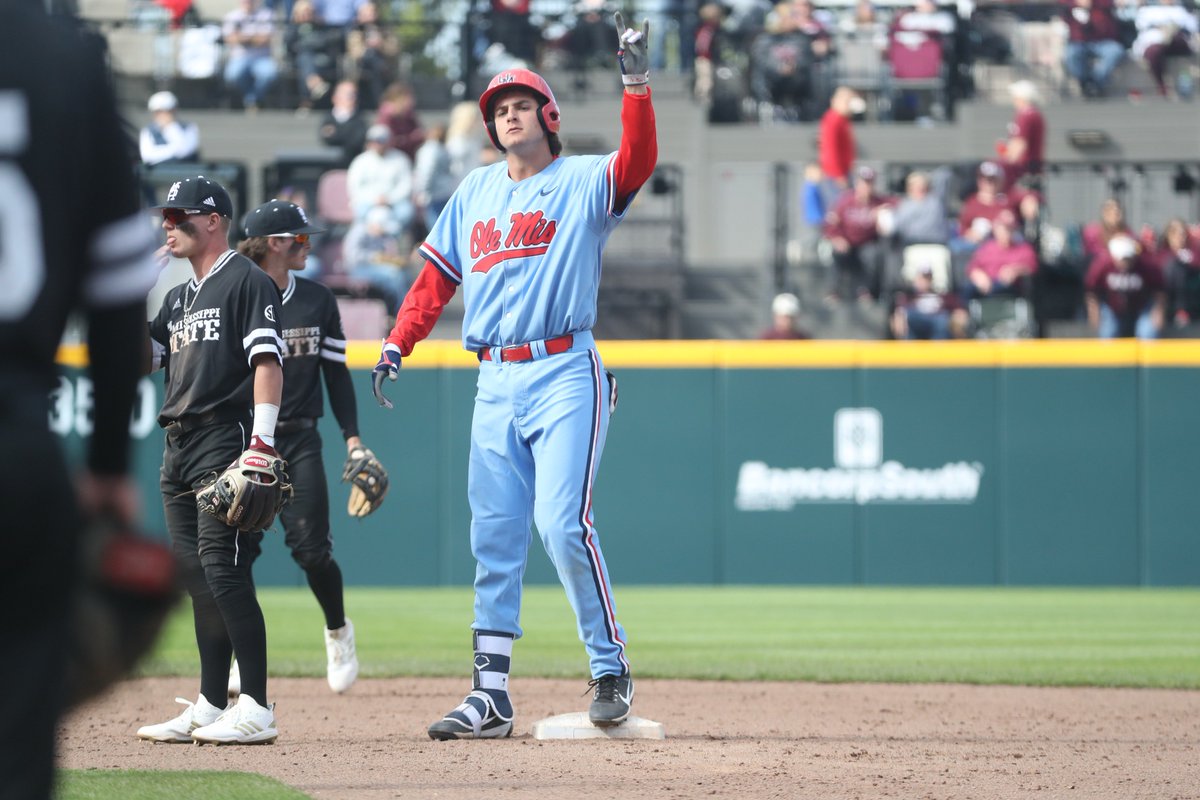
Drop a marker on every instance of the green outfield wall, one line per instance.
(1011, 463)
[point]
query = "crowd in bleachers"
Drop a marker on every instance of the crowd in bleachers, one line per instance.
(948, 258)
(935, 258)
(750, 58)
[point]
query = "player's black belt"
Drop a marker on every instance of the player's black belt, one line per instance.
(191, 422)
(286, 426)
(525, 352)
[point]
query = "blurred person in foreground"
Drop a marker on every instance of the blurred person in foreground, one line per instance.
(73, 240)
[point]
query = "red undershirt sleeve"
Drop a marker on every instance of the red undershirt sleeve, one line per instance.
(638, 152)
(421, 308)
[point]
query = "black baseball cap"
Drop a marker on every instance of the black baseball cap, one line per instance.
(278, 217)
(198, 194)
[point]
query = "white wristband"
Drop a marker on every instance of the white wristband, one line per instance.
(265, 417)
(637, 79)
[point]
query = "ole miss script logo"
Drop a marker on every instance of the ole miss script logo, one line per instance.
(530, 235)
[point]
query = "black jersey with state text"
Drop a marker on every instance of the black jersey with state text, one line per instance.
(313, 339)
(206, 334)
(70, 234)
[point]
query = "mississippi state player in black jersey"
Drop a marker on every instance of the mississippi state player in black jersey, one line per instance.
(315, 348)
(72, 239)
(217, 337)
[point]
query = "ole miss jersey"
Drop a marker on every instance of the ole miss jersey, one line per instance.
(313, 341)
(206, 335)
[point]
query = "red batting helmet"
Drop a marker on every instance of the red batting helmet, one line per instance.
(548, 113)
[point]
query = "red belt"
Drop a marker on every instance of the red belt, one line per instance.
(524, 352)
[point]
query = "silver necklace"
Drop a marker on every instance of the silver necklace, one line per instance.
(187, 307)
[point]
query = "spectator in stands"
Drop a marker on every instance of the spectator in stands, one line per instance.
(465, 138)
(836, 144)
(510, 26)
(372, 252)
(918, 39)
(398, 111)
(1178, 258)
(250, 69)
(863, 22)
(372, 50)
(381, 176)
(1165, 29)
(588, 40)
(1004, 264)
(921, 312)
(315, 50)
(785, 319)
(785, 63)
(344, 126)
(1125, 292)
(665, 18)
(183, 12)
(976, 215)
(1094, 48)
(433, 177)
(338, 13)
(920, 217)
(812, 199)
(1098, 233)
(167, 138)
(1023, 152)
(708, 48)
(852, 228)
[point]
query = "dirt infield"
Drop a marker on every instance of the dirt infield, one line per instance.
(736, 740)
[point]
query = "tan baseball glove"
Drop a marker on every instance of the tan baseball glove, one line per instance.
(369, 479)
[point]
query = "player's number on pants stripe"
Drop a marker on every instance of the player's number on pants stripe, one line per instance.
(22, 264)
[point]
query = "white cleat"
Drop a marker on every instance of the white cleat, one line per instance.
(343, 660)
(245, 722)
(235, 681)
(179, 730)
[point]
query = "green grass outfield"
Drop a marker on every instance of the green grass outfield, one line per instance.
(1052, 637)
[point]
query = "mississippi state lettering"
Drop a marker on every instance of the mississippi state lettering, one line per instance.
(201, 326)
(529, 235)
(302, 341)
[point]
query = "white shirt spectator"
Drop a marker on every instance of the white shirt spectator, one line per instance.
(381, 176)
(1156, 24)
(167, 138)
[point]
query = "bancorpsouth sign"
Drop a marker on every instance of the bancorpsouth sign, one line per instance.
(860, 475)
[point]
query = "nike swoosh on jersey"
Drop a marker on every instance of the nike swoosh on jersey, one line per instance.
(545, 192)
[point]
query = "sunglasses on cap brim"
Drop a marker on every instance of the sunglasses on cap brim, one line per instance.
(301, 238)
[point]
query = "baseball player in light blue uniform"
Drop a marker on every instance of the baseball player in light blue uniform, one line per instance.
(524, 238)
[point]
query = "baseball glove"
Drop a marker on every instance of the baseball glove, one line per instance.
(250, 492)
(129, 584)
(370, 481)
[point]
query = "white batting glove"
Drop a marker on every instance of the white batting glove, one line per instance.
(633, 52)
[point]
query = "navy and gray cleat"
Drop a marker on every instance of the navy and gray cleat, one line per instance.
(611, 702)
(478, 717)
